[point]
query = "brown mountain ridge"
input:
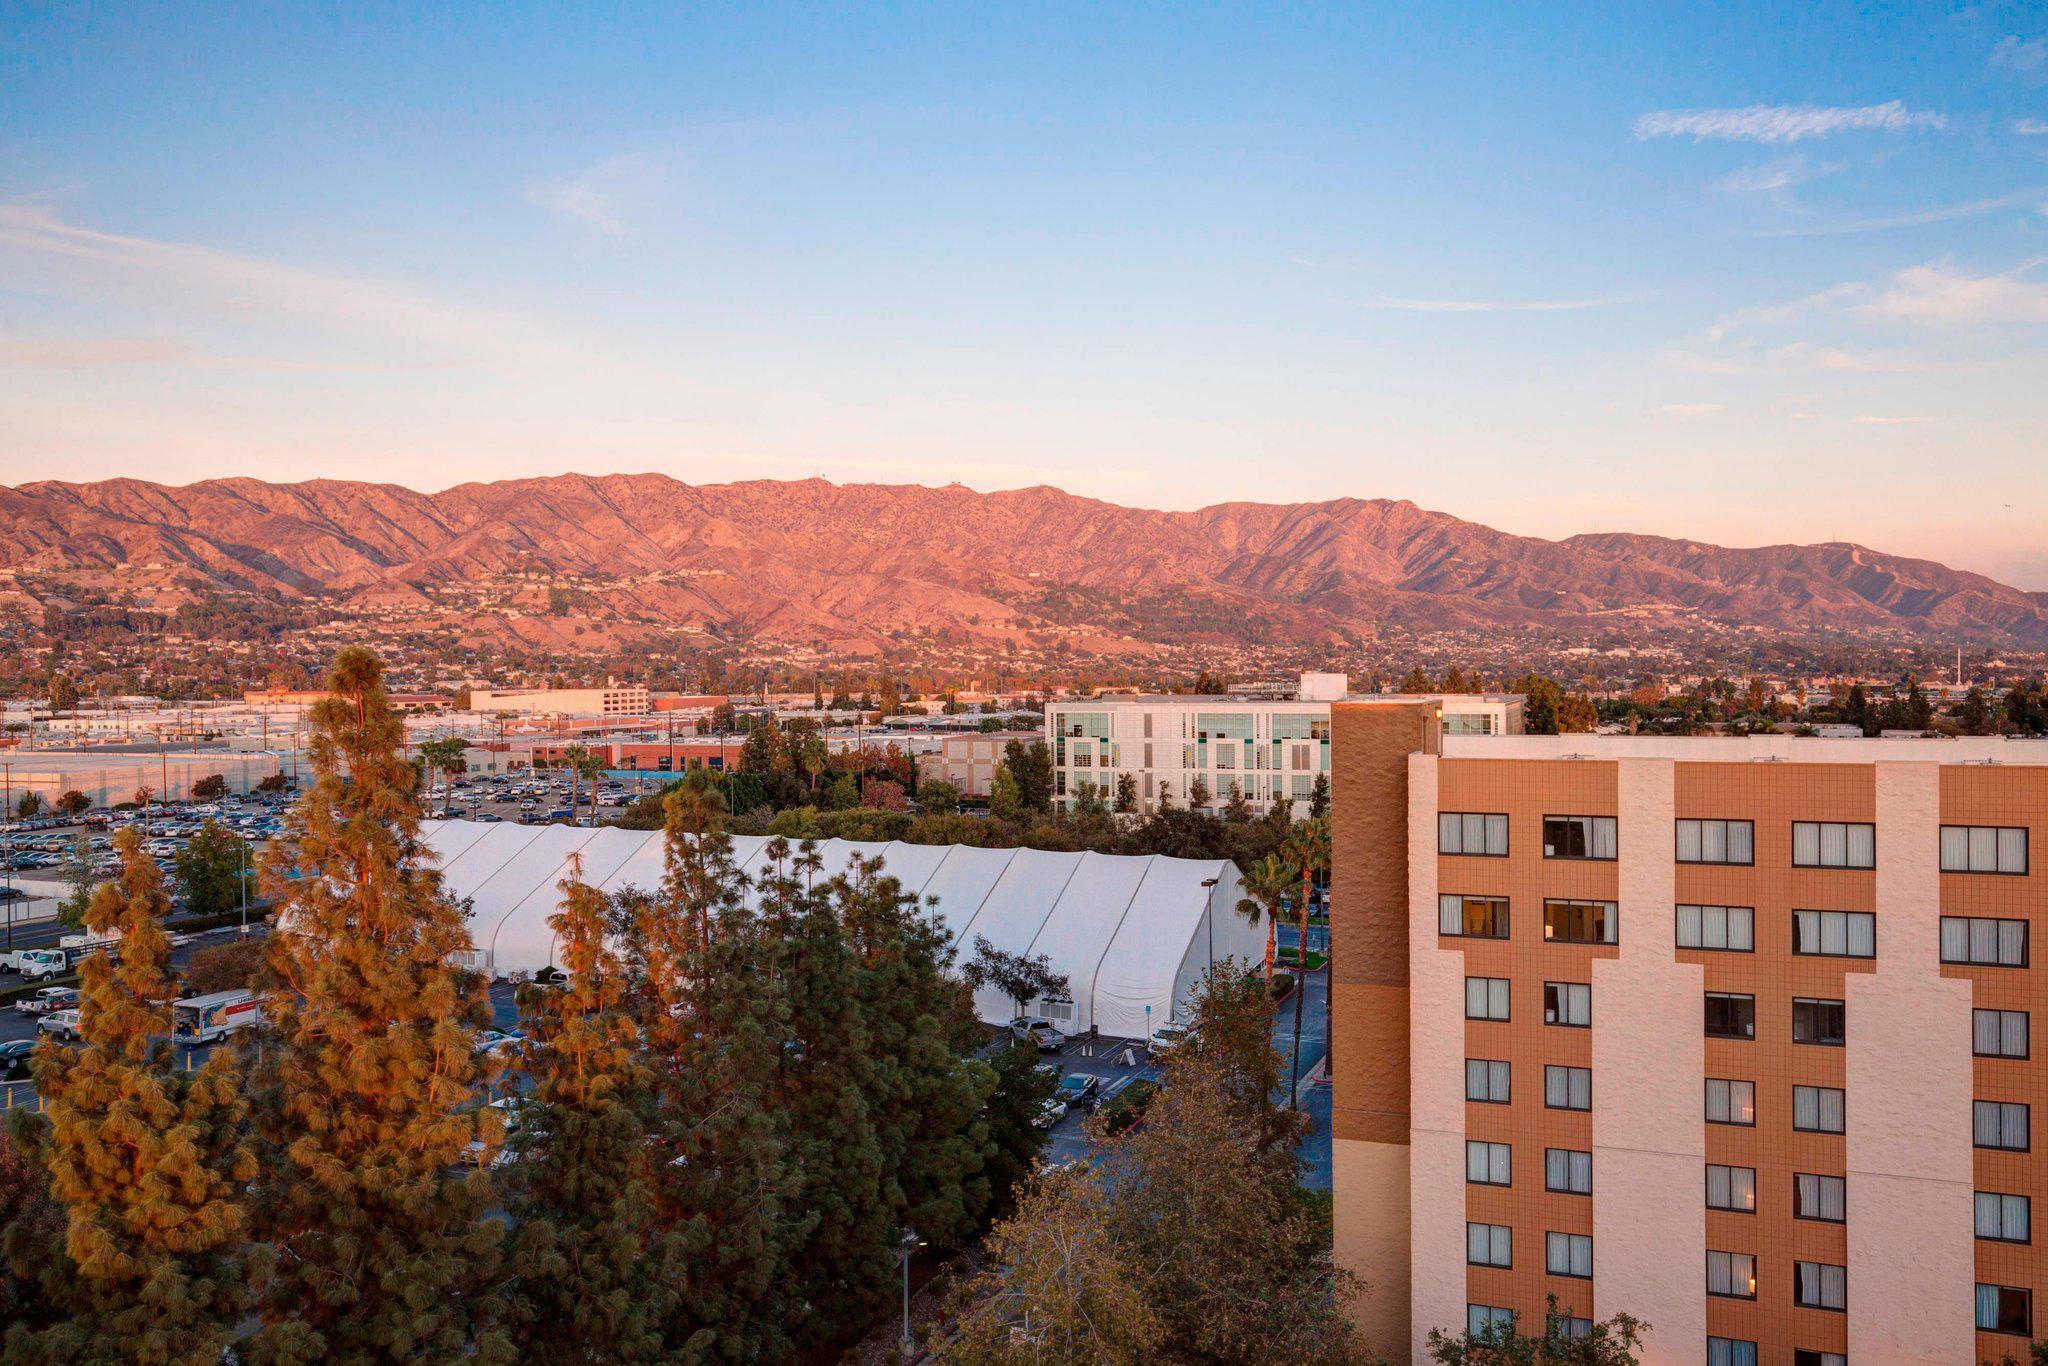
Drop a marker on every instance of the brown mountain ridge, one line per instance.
(810, 560)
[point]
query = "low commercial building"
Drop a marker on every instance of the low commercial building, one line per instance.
(1728, 1034)
(969, 761)
(110, 777)
(1191, 749)
(631, 700)
(1132, 935)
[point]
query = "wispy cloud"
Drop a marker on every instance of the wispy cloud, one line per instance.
(2030, 128)
(1781, 174)
(82, 353)
(186, 282)
(1492, 305)
(2026, 56)
(1689, 410)
(1873, 420)
(1946, 213)
(598, 196)
(1940, 294)
(1782, 123)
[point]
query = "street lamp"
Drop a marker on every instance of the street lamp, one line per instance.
(906, 1248)
(1209, 918)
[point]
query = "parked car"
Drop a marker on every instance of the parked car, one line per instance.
(48, 999)
(498, 1041)
(1079, 1089)
(1165, 1039)
(14, 1057)
(1052, 1112)
(1043, 1033)
(61, 1024)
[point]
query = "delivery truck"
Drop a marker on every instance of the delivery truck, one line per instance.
(203, 1019)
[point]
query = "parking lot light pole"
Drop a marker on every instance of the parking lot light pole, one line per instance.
(1209, 918)
(905, 1249)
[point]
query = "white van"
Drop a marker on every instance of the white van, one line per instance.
(203, 1019)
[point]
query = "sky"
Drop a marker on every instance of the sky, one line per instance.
(1741, 273)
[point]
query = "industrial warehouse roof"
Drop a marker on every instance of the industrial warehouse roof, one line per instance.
(1132, 935)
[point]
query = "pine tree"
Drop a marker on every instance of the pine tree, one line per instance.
(149, 1162)
(586, 1259)
(363, 1097)
(710, 1005)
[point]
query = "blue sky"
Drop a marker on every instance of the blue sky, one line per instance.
(1745, 273)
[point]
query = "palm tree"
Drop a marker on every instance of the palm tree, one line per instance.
(582, 763)
(1266, 884)
(1307, 851)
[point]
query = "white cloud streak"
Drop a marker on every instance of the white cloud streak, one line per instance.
(2030, 128)
(598, 196)
(1783, 123)
(1781, 174)
(2025, 56)
(1490, 305)
(1938, 294)
(1947, 213)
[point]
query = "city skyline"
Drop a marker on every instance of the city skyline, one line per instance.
(1753, 277)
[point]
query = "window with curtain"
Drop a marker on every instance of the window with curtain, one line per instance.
(1730, 1101)
(1716, 841)
(1568, 1254)
(2001, 1124)
(1731, 1188)
(1487, 1164)
(1486, 1080)
(1981, 941)
(1818, 1109)
(1817, 1021)
(1568, 1170)
(1578, 837)
(1568, 1003)
(1567, 1088)
(1489, 1245)
(2005, 1309)
(1834, 934)
(1473, 917)
(1730, 1352)
(1984, 849)
(1717, 927)
(1833, 844)
(1998, 1033)
(1580, 922)
(1480, 834)
(1732, 1275)
(2004, 1218)
(1821, 1198)
(1486, 998)
(1820, 1285)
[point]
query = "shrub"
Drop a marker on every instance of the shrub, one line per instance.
(223, 967)
(1128, 1106)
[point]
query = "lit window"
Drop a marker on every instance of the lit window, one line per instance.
(1580, 922)
(1731, 1102)
(1473, 917)
(1731, 1188)
(1731, 1274)
(1819, 1022)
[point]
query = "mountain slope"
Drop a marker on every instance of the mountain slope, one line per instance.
(810, 560)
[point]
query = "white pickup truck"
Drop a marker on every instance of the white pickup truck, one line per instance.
(36, 964)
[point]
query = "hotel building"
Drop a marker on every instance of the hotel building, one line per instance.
(1730, 1035)
(1177, 744)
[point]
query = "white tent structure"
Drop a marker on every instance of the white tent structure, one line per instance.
(1133, 936)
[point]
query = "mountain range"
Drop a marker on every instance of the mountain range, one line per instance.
(811, 561)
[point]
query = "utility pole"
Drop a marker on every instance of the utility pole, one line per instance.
(7, 817)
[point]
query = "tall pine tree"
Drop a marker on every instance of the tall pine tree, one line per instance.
(590, 1278)
(150, 1162)
(363, 1097)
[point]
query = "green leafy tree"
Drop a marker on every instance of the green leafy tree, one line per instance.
(211, 868)
(939, 798)
(1611, 1342)
(1319, 796)
(1031, 766)
(1023, 978)
(79, 875)
(1003, 801)
(362, 1095)
(73, 803)
(589, 1277)
(29, 805)
(1416, 681)
(211, 788)
(151, 1162)
(1126, 793)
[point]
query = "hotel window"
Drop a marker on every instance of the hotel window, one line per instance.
(1568, 1254)
(1568, 1325)
(1834, 934)
(1473, 917)
(1833, 844)
(1580, 922)
(1731, 1102)
(1998, 1033)
(1481, 1319)
(1483, 834)
(1568, 1003)
(1487, 1164)
(1818, 1109)
(1731, 1274)
(1731, 1188)
(2000, 1124)
(2004, 1218)
(2005, 1309)
(1807, 1356)
(1489, 1245)
(1818, 1022)
(1578, 837)
(1486, 998)
(1730, 1015)
(1821, 1198)
(1820, 1285)
(1730, 1352)
(1983, 849)
(1567, 1088)
(1486, 1080)
(1982, 942)
(1717, 927)
(1567, 1171)
(1716, 842)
